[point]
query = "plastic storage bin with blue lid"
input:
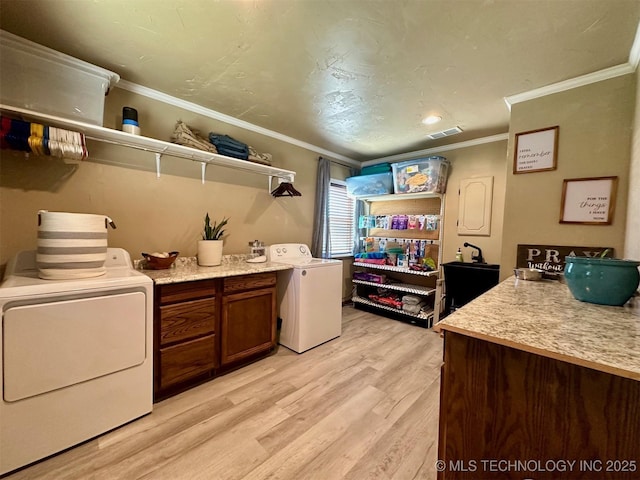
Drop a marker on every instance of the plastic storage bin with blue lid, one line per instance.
(368, 185)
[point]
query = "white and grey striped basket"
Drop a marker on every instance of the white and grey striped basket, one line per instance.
(71, 245)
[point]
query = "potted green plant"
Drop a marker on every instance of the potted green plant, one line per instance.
(210, 247)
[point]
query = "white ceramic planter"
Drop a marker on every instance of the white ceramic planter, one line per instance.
(210, 252)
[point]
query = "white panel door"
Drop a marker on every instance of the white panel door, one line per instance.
(474, 210)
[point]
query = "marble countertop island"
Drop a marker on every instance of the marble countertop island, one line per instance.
(186, 269)
(543, 318)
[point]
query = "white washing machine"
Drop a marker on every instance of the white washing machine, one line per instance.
(309, 297)
(75, 356)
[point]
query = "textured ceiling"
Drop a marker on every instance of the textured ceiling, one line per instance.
(354, 77)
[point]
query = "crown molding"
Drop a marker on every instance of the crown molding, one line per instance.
(207, 112)
(444, 148)
(581, 81)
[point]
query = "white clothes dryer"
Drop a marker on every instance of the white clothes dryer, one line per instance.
(75, 356)
(309, 297)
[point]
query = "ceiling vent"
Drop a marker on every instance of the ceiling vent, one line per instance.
(445, 133)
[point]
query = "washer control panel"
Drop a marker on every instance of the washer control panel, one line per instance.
(283, 251)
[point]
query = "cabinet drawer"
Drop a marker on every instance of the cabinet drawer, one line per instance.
(187, 360)
(182, 321)
(179, 292)
(249, 282)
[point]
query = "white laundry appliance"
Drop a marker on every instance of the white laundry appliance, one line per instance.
(309, 297)
(75, 356)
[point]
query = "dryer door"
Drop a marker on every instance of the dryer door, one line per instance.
(58, 343)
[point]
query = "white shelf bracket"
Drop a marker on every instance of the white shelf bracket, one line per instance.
(270, 183)
(158, 158)
(203, 170)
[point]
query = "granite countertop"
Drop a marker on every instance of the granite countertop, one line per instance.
(186, 269)
(544, 318)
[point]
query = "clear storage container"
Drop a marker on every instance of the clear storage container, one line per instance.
(367, 185)
(422, 175)
(46, 81)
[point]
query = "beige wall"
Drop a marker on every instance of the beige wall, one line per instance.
(166, 213)
(632, 238)
(152, 213)
(594, 140)
(478, 161)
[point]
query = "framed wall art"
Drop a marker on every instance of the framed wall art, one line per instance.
(551, 258)
(536, 150)
(589, 201)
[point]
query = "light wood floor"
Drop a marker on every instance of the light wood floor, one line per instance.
(363, 406)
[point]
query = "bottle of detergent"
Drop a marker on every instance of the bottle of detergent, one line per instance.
(459, 257)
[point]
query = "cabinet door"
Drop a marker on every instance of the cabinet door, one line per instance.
(474, 211)
(248, 324)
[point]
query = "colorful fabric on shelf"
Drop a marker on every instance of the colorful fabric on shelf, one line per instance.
(413, 309)
(18, 135)
(5, 127)
(229, 146)
(42, 140)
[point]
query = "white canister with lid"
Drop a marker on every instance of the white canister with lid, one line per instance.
(256, 249)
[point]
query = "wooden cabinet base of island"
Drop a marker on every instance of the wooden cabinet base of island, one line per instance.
(509, 414)
(208, 327)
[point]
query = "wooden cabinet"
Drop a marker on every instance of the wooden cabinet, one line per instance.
(184, 335)
(248, 314)
(206, 327)
(500, 405)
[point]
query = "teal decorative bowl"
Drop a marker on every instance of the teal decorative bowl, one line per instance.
(605, 281)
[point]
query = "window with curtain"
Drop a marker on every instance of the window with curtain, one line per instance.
(341, 220)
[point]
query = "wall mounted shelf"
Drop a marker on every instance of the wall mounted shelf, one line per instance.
(399, 196)
(159, 147)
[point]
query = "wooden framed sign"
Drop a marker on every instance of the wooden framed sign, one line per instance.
(536, 150)
(551, 258)
(590, 201)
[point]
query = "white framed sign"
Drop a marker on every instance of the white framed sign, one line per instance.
(536, 150)
(589, 201)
